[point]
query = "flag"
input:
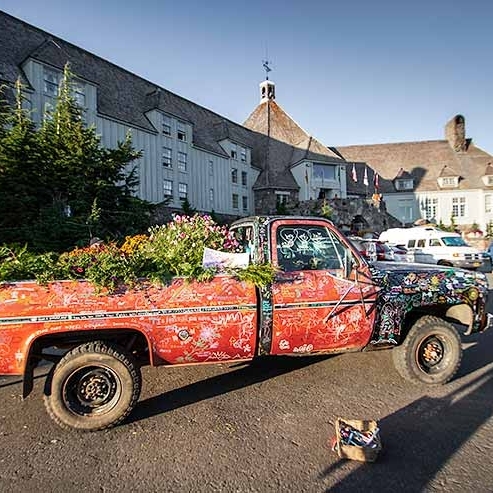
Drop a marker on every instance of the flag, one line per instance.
(375, 180)
(365, 178)
(353, 174)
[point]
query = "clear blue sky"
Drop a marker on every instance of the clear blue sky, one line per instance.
(349, 72)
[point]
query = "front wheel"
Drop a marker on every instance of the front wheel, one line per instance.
(431, 352)
(93, 387)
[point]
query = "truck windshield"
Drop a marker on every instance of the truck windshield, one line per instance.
(453, 241)
(308, 247)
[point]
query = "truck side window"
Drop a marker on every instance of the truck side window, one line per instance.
(421, 243)
(244, 236)
(435, 242)
(308, 248)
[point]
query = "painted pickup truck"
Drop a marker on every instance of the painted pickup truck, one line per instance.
(325, 298)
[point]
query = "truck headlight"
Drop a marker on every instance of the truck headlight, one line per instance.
(472, 294)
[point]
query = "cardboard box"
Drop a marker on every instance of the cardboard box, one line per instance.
(365, 453)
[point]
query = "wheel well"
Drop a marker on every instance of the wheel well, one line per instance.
(456, 314)
(445, 262)
(54, 346)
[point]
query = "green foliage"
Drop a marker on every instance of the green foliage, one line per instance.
(260, 275)
(17, 262)
(281, 209)
(326, 210)
(58, 186)
(175, 249)
(187, 208)
(489, 229)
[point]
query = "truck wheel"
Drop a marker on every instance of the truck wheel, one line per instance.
(93, 387)
(431, 352)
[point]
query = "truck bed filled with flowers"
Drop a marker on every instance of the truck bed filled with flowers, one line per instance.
(167, 251)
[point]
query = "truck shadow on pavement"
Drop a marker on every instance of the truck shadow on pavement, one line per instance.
(420, 438)
(247, 374)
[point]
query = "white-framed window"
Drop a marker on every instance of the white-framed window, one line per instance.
(448, 181)
(51, 82)
(167, 125)
(281, 198)
(182, 161)
(244, 201)
(167, 157)
(488, 203)
(234, 200)
(234, 175)
(458, 206)
(243, 154)
(430, 207)
(211, 167)
(244, 178)
(182, 191)
(181, 133)
(211, 196)
(234, 151)
(168, 188)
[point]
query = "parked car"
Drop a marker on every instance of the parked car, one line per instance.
(373, 250)
(400, 253)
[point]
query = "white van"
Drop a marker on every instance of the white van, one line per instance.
(430, 245)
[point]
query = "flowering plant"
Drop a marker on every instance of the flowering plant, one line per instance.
(176, 248)
(173, 249)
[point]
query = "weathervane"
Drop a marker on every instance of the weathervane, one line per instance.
(267, 68)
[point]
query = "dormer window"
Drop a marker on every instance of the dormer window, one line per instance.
(404, 184)
(448, 181)
(488, 180)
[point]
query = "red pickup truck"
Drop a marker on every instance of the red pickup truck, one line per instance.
(325, 298)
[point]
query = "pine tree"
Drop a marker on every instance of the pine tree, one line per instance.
(51, 177)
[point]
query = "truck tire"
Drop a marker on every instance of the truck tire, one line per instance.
(431, 353)
(93, 387)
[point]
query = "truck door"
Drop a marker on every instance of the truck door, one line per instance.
(318, 304)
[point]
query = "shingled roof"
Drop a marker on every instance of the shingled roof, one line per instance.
(425, 162)
(287, 144)
(122, 95)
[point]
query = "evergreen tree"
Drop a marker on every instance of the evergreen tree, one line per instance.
(53, 177)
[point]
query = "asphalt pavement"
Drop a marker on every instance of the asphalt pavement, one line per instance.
(265, 427)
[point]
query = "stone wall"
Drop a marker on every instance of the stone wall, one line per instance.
(358, 216)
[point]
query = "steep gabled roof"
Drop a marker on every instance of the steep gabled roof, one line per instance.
(287, 144)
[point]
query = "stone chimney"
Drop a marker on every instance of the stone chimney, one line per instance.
(455, 133)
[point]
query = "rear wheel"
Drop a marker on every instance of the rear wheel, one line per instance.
(431, 352)
(93, 387)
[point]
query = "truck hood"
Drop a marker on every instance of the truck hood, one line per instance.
(423, 277)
